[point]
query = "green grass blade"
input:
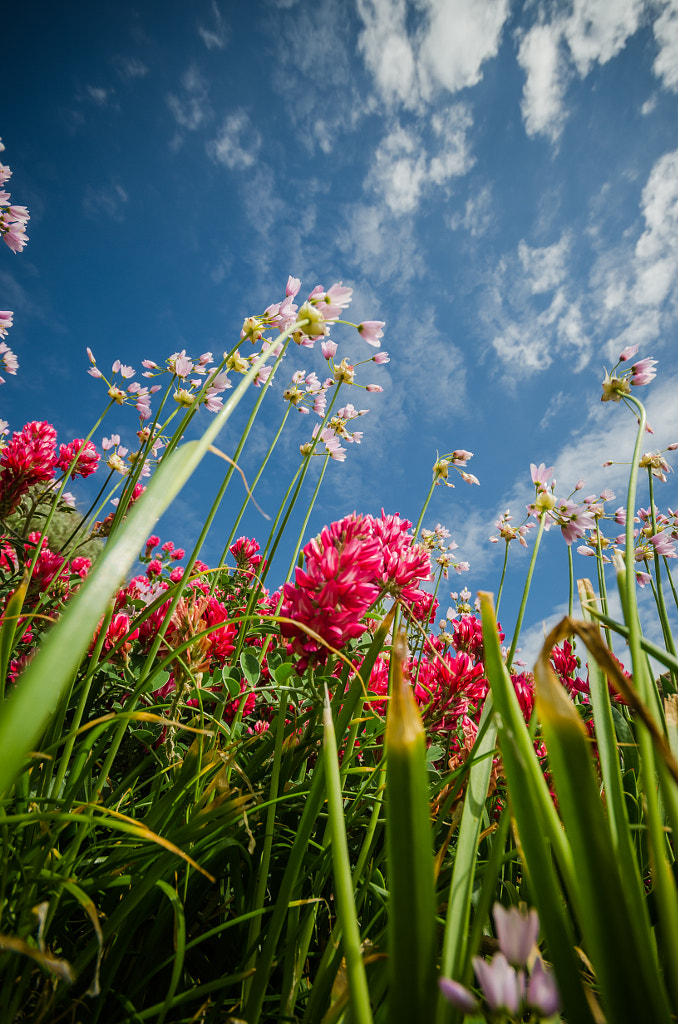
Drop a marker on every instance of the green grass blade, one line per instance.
(357, 980)
(409, 844)
(461, 886)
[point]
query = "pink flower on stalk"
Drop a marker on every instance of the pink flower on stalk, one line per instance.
(502, 986)
(627, 353)
(371, 331)
(540, 474)
(87, 462)
(5, 322)
(29, 458)
(664, 544)
(517, 932)
(381, 357)
(643, 372)
(9, 359)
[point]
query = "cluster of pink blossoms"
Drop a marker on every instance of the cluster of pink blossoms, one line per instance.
(13, 229)
(13, 219)
(618, 383)
(348, 567)
(30, 457)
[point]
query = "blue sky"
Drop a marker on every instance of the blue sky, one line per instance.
(496, 180)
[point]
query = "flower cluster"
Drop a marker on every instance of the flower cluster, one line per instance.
(575, 519)
(516, 980)
(13, 219)
(351, 564)
(618, 383)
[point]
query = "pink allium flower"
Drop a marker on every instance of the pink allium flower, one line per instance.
(458, 995)
(88, 459)
(628, 352)
(643, 372)
(540, 474)
(542, 990)
(373, 388)
(5, 322)
(664, 544)
(502, 987)
(292, 287)
(371, 331)
(517, 933)
(329, 349)
(381, 357)
(10, 361)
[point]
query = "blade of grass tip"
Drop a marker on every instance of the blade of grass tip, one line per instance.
(537, 823)
(357, 980)
(463, 873)
(36, 694)
(409, 845)
(604, 911)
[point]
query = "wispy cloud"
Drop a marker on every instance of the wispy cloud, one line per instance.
(236, 143)
(191, 108)
(130, 68)
(214, 36)
(106, 201)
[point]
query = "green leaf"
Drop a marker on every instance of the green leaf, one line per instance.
(249, 662)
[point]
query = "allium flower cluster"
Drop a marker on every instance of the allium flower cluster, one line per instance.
(575, 519)
(307, 392)
(516, 980)
(458, 459)
(618, 383)
(508, 533)
(13, 219)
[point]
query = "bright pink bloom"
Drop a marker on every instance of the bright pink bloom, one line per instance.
(29, 458)
(88, 459)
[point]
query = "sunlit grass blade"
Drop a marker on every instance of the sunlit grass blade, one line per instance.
(629, 982)
(411, 931)
(10, 619)
(355, 969)
(540, 834)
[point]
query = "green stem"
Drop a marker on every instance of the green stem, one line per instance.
(503, 577)
(526, 590)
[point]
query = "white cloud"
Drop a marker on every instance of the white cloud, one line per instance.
(459, 37)
(215, 37)
(657, 248)
(666, 34)
(237, 142)
(597, 30)
(387, 50)
(192, 109)
(477, 216)
(402, 169)
(454, 39)
(531, 312)
(544, 90)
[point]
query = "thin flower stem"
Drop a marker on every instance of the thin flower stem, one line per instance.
(300, 538)
(254, 483)
(503, 577)
(523, 603)
(570, 567)
(670, 579)
(423, 510)
(602, 587)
